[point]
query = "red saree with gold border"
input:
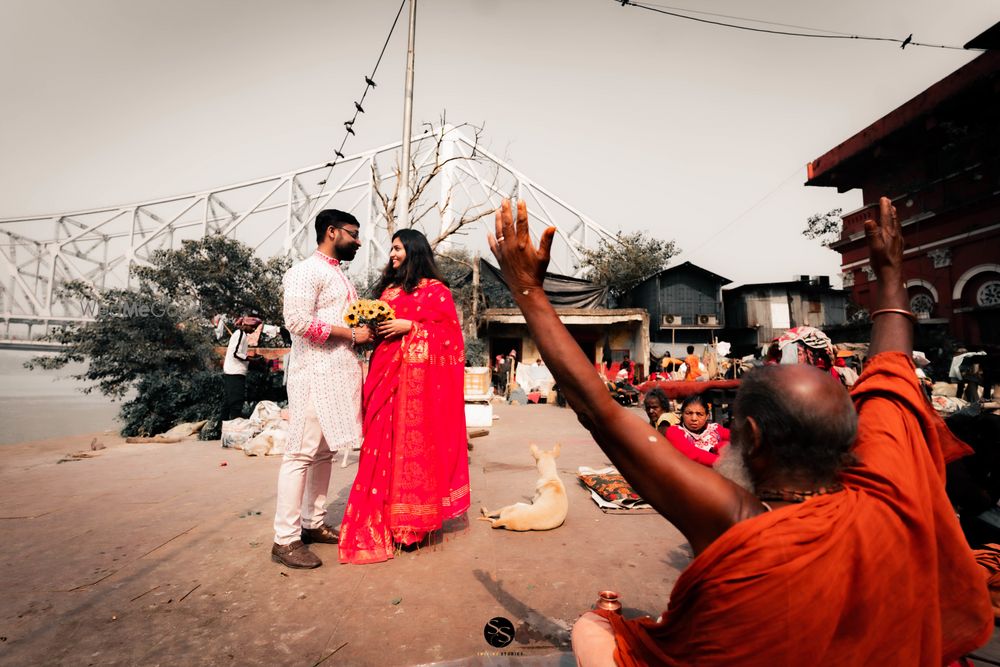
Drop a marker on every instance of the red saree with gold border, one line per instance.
(413, 473)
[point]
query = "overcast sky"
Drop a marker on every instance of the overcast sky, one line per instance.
(641, 121)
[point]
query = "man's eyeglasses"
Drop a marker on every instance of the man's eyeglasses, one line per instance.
(353, 234)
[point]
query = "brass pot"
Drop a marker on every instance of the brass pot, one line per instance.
(609, 600)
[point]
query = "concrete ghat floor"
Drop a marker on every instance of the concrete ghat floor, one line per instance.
(155, 554)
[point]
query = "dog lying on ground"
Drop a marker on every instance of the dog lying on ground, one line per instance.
(185, 431)
(271, 442)
(547, 509)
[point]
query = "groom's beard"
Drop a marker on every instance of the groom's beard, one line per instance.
(733, 467)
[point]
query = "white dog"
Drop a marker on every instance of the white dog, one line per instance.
(270, 442)
(548, 508)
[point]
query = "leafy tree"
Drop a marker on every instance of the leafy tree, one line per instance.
(165, 398)
(457, 266)
(156, 340)
(218, 275)
(627, 260)
(135, 333)
(824, 226)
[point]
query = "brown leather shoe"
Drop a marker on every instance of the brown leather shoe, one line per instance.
(295, 555)
(324, 535)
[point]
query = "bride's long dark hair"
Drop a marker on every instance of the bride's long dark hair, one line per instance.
(419, 263)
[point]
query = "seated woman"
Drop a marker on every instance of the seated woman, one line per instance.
(657, 407)
(695, 437)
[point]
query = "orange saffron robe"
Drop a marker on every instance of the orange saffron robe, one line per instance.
(877, 574)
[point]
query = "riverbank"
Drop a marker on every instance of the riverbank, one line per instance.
(159, 554)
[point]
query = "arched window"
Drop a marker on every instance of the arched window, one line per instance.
(923, 297)
(921, 304)
(988, 293)
(969, 275)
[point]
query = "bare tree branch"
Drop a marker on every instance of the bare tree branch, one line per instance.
(464, 221)
(387, 209)
(421, 201)
(456, 258)
(416, 219)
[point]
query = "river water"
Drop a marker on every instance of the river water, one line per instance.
(40, 404)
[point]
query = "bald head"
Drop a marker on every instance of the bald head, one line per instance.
(805, 419)
(813, 389)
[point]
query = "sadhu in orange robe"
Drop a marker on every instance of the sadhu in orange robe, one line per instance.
(877, 574)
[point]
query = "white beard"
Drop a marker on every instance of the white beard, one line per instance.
(733, 467)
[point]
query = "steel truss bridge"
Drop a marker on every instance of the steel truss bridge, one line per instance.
(463, 184)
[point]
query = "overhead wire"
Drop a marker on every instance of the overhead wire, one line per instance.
(742, 18)
(717, 233)
(817, 33)
(358, 108)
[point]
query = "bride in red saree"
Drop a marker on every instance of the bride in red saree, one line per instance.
(413, 473)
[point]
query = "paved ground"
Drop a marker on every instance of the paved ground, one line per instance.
(156, 554)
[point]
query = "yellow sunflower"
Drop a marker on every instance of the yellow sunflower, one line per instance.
(351, 318)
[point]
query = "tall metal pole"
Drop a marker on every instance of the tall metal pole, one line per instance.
(404, 167)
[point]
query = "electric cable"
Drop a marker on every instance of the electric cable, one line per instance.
(358, 109)
(817, 34)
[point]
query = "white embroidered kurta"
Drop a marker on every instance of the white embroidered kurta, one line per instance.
(328, 373)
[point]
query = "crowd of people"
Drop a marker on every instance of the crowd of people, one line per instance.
(812, 508)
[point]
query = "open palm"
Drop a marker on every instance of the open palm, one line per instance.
(523, 265)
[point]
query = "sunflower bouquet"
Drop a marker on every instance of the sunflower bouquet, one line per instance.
(368, 312)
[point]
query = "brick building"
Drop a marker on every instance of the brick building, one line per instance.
(938, 157)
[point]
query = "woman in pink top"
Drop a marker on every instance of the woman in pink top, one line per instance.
(696, 437)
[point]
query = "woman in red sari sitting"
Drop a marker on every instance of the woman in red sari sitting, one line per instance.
(695, 437)
(413, 472)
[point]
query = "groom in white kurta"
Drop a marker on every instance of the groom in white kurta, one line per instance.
(324, 388)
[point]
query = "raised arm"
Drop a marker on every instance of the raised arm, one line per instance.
(700, 502)
(892, 321)
(888, 396)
